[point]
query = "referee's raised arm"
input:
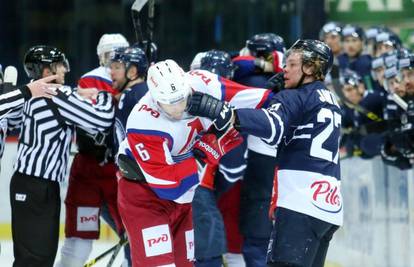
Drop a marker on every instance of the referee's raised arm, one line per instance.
(80, 112)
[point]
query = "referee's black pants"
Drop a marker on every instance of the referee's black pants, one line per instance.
(35, 205)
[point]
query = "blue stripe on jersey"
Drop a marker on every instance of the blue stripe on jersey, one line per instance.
(154, 132)
(176, 192)
(182, 157)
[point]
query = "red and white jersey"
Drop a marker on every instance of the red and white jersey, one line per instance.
(98, 78)
(162, 147)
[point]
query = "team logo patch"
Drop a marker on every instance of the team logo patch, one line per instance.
(157, 240)
(20, 197)
(326, 196)
(189, 242)
(87, 219)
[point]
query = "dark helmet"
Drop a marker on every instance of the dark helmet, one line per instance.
(406, 62)
(332, 28)
(313, 51)
(388, 38)
(372, 32)
(354, 31)
(132, 55)
(265, 43)
(152, 54)
(350, 77)
(218, 62)
(42, 56)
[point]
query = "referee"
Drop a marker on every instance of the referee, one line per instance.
(11, 104)
(42, 157)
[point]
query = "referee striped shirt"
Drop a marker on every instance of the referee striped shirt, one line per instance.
(48, 128)
(10, 101)
(11, 121)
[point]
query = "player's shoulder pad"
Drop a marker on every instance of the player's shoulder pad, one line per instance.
(146, 116)
(205, 82)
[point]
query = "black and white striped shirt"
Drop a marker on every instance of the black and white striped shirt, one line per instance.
(10, 101)
(48, 128)
(11, 110)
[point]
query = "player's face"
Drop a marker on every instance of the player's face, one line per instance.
(379, 74)
(352, 46)
(117, 71)
(383, 48)
(396, 86)
(334, 42)
(352, 94)
(175, 111)
(408, 80)
(59, 69)
(293, 70)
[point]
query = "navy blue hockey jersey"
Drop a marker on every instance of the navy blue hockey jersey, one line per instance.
(304, 124)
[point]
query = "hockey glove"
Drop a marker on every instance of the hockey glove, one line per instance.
(276, 83)
(210, 149)
(204, 105)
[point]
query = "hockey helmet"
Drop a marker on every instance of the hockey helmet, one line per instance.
(42, 56)
(167, 82)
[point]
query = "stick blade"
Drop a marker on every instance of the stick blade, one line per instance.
(138, 5)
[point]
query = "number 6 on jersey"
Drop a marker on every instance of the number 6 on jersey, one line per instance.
(142, 152)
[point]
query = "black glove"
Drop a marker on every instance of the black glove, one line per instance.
(204, 105)
(276, 83)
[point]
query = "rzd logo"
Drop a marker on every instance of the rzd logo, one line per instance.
(84, 219)
(154, 241)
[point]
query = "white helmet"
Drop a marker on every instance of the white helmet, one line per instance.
(167, 82)
(196, 63)
(109, 42)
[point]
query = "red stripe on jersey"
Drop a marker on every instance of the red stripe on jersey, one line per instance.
(275, 194)
(95, 82)
(148, 151)
(239, 58)
(230, 88)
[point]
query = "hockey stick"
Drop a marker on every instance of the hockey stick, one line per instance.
(135, 11)
(150, 27)
(116, 251)
(92, 262)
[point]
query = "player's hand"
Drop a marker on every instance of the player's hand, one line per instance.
(44, 87)
(204, 105)
(210, 148)
(88, 93)
(276, 83)
(264, 65)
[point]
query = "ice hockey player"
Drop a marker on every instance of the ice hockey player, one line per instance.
(155, 201)
(304, 123)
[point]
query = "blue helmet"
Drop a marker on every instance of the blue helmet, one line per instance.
(132, 55)
(314, 50)
(389, 38)
(406, 61)
(218, 62)
(152, 54)
(331, 27)
(350, 77)
(354, 31)
(263, 44)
